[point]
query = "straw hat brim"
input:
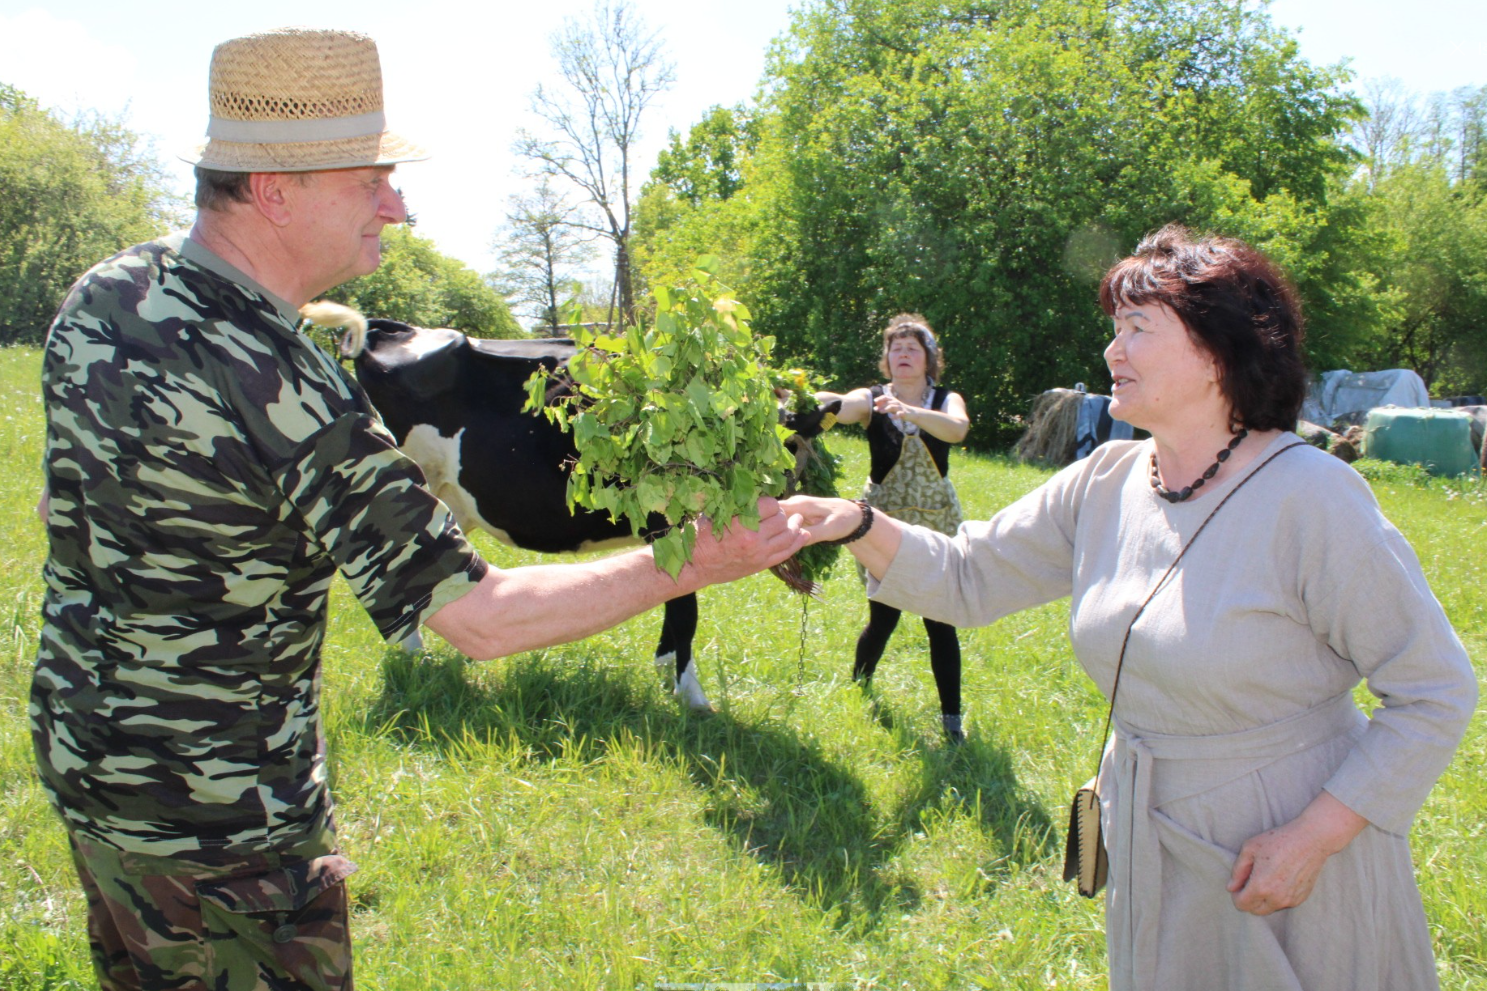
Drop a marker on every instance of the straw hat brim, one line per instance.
(386, 148)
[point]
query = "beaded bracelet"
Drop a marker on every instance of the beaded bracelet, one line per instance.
(862, 528)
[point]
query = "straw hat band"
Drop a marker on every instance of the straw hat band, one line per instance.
(296, 131)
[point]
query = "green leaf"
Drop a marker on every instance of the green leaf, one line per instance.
(671, 552)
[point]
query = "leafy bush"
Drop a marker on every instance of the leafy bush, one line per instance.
(1389, 472)
(71, 195)
(418, 285)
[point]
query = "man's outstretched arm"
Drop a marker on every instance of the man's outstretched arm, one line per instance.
(545, 604)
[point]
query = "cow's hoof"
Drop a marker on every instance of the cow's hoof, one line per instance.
(666, 669)
(690, 692)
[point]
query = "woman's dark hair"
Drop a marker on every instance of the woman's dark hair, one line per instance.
(1238, 307)
(915, 326)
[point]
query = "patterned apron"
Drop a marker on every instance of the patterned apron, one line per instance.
(914, 491)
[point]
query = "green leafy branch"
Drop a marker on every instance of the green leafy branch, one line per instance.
(676, 420)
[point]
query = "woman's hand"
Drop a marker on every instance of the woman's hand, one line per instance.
(894, 406)
(823, 518)
(1278, 868)
(833, 519)
(950, 424)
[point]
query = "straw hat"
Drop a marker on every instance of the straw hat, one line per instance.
(297, 100)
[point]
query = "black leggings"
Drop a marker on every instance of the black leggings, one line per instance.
(944, 652)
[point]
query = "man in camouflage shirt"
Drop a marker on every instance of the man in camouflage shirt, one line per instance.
(208, 471)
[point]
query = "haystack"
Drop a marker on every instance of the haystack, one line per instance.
(1052, 434)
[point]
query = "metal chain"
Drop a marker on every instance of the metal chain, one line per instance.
(805, 612)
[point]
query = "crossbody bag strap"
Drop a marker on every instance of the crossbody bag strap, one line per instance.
(1120, 662)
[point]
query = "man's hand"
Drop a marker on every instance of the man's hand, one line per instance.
(1279, 868)
(736, 551)
(544, 604)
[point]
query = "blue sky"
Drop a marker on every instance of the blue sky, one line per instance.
(458, 75)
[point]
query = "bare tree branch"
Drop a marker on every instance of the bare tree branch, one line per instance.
(1388, 136)
(612, 68)
(540, 245)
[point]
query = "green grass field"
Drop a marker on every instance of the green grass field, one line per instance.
(553, 821)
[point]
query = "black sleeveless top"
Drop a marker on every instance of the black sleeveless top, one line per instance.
(885, 441)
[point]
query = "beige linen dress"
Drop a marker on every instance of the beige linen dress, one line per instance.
(1235, 705)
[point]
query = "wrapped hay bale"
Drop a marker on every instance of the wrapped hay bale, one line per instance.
(1438, 439)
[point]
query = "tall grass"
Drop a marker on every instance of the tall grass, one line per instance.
(553, 821)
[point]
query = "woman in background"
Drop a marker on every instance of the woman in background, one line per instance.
(911, 423)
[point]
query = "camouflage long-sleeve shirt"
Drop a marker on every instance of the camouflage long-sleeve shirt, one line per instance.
(209, 470)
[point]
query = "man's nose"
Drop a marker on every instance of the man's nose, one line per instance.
(392, 206)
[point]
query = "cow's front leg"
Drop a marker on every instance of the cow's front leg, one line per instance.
(674, 653)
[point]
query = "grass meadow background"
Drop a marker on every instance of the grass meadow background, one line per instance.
(554, 821)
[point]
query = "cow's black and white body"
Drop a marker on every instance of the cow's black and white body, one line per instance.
(454, 403)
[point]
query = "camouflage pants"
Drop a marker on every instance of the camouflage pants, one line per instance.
(152, 927)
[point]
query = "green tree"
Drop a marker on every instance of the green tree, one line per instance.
(71, 194)
(1421, 195)
(708, 165)
(1436, 273)
(983, 164)
(1454, 133)
(418, 285)
(688, 208)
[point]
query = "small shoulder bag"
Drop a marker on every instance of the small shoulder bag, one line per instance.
(1085, 860)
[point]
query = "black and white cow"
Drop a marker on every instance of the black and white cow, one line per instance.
(454, 403)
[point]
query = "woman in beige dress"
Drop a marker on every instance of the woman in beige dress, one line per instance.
(1256, 821)
(911, 421)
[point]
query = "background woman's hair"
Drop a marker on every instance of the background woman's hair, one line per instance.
(1238, 306)
(913, 325)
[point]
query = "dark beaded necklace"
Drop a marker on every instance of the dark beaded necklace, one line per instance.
(1188, 490)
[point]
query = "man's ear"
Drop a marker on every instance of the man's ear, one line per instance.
(272, 196)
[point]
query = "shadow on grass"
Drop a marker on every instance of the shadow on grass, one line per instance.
(770, 789)
(976, 778)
